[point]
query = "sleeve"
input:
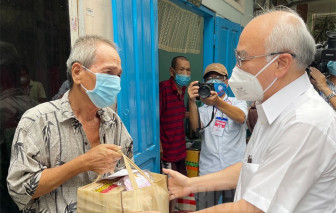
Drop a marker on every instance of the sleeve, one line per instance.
(41, 90)
(241, 105)
(289, 169)
(25, 168)
(204, 115)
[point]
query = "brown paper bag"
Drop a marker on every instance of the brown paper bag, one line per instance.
(150, 198)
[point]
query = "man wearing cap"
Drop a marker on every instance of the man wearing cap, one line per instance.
(223, 136)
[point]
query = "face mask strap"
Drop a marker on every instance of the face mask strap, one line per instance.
(269, 63)
(87, 69)
(270, 85)
(84, 88)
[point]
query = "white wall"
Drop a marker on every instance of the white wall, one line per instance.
(240, 13)
(89, 17)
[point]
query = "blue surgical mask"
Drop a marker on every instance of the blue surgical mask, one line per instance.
(182, 80)
(332, 67)
(106, 90)
(220, 86)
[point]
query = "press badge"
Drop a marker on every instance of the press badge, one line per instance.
(220, 124)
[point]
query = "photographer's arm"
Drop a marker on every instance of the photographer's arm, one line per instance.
(193, 114)
(321, 84)
(231, 111)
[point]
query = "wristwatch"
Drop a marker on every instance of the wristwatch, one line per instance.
(333, 94)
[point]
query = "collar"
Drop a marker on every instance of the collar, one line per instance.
(67, 112)
(172, 83)
(276, 104)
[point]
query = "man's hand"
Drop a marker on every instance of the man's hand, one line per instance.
(178, 184)
(319, 80)
(193, 91)
(102, 158)
(212, 100)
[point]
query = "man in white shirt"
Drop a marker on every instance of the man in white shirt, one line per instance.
(223, 132)
(290, 161)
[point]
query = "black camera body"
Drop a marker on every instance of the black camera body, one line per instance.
(324, 53)
(205, 89)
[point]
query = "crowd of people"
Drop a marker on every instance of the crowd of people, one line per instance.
(49, 149)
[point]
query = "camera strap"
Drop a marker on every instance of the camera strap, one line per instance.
(199, 129)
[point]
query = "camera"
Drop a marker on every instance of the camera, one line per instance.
(325, 52)
(205, 89)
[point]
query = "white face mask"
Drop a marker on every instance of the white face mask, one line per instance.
(246, 86)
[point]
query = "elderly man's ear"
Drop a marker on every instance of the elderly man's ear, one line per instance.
(283, 64)
(75, 71)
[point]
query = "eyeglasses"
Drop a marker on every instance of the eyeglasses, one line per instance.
(218, 77)
(240, 57)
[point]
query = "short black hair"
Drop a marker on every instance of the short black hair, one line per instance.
(173, 62)
(24, 67)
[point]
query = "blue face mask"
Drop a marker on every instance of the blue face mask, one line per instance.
(332, 67)
(106, 90)
(182, 80)
(220, 86)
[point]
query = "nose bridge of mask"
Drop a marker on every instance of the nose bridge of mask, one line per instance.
(214, 81)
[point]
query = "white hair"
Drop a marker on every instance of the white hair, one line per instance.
(291, 35)
(84, 52)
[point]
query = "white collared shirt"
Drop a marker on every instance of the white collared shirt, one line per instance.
(293, 151)
(219, 152)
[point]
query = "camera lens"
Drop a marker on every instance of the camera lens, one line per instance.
(204, 91)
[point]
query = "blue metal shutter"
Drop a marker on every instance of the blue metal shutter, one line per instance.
(135, 27)
(227, 35)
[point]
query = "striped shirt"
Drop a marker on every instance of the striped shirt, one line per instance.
(172, 113)
(49, 135)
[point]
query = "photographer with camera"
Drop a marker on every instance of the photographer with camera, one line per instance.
(322, 71)
(221, 122)
(326, 85)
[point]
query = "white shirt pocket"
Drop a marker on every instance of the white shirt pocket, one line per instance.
(247, 171)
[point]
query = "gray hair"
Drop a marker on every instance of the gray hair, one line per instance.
(291, 35)
(84, 52)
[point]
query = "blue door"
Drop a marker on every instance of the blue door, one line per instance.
(226, 39)
(135, 25)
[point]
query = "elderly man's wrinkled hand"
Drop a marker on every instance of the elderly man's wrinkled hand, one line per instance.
(102, 158)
